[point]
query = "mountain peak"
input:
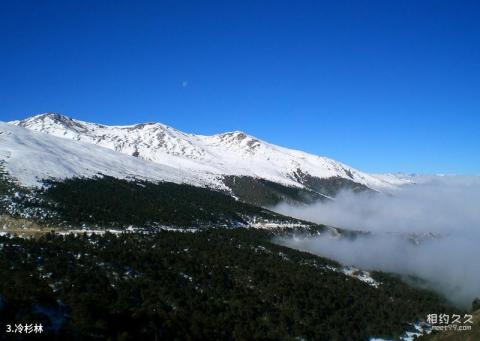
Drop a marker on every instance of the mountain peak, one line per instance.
(49, 115)
(231, 153)
(50, 121)
(43, 118)
(236, 136)
(237, 133)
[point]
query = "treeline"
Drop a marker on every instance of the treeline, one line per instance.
(110, 202)
(261, 192)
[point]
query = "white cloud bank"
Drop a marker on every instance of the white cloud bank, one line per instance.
(449, 206)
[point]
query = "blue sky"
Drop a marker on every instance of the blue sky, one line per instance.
(380, 85)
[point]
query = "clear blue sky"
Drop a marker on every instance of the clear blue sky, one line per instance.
(380, 85)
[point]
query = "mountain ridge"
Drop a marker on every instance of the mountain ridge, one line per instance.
(226, 154)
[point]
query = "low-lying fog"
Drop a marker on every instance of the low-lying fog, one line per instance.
(447, 206)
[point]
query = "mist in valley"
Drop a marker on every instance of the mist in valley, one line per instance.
(430, 229)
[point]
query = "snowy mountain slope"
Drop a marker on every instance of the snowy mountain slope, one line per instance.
(30, 157)
(232, 153)
(396, 179)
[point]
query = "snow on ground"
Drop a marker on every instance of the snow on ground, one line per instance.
(361, 275)
(396, 179)
(30, 157)
(416, 330)
(353, 272)
(232, 153)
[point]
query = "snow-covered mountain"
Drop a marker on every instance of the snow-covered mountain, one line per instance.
(30, 157)
(207, 157)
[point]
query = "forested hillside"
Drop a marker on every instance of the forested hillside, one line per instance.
(116, 203)
(210, 285)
